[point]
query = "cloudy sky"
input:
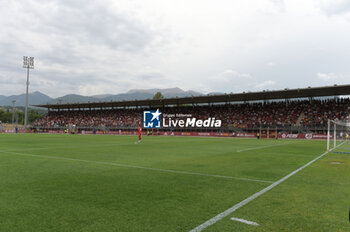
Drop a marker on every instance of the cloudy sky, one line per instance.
(112, 46)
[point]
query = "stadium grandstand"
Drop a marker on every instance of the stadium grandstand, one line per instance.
(268, 112)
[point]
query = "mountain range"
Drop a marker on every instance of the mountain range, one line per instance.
(38, 98)
(34, 98)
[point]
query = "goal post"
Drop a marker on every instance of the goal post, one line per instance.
(338, 133)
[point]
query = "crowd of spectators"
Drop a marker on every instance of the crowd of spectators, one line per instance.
(245, 115)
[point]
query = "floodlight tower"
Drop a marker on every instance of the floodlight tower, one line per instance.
(28, 63)
(13, 111)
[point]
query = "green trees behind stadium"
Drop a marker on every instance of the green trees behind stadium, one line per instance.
(157, 96)
(6, 115)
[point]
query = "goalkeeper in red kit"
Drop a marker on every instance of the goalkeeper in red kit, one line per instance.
(140, 132)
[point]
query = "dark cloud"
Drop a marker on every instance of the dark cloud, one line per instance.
(73, 42)
(106, 46)
(91, 23)
(57, 31)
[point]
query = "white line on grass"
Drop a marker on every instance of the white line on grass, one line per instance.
(138, 167)
(252, 197)
(245, 221)
(255, 148)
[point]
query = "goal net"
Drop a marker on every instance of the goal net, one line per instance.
(338, 136)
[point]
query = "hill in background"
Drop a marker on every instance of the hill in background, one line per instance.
(2, 97)
(37, 98)
(34, 99)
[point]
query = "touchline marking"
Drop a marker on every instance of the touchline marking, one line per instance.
(245, 221)
(138, 167)
(252, 197)
(254, 148)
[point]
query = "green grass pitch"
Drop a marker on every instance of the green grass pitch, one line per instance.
(109, 183)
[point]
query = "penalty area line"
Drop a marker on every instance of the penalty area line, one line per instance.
(252, 197)
(138, 167)
(261, 147)
(245, 221)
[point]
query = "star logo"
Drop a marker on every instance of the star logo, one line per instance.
(156, 115)
(152, 119)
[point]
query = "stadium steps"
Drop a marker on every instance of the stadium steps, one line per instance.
(301, 117)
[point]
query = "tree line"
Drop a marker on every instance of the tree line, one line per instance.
(33, 114)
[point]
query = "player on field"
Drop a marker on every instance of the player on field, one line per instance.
(140, 132)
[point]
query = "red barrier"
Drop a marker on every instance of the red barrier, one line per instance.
(12, 131)
(56, 132)
(200, 134)
(303, 136)
(247, 135)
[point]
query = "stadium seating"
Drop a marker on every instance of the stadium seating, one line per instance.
(247, 115)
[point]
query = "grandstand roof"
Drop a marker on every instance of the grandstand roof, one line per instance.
(309, 92)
